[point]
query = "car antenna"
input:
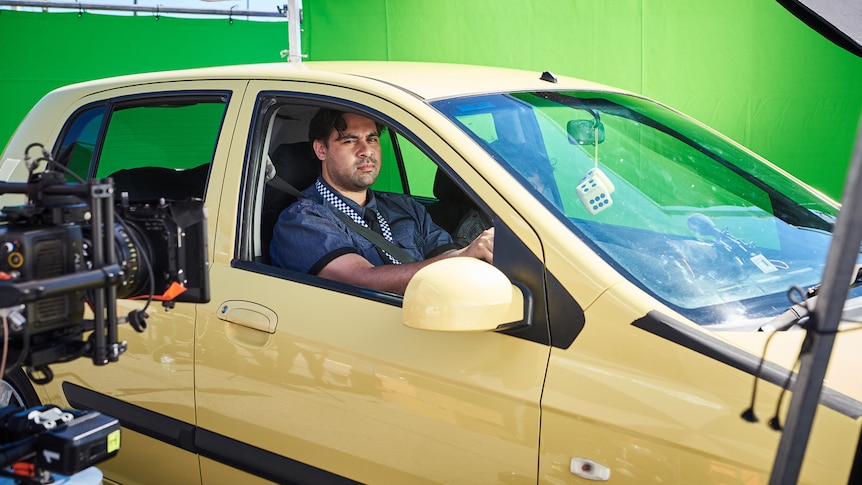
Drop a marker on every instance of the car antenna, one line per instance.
(548, 76)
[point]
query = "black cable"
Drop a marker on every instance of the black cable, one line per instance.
(25, 347)
(774, 422)
(60, 168)
(749, 414)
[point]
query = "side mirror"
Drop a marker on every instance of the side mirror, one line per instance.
(462, 295)
(585, 132)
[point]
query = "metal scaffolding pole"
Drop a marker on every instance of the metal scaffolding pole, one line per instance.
(161, 9)
(292, 12)
(294, 30)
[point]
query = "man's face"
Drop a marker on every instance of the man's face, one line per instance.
(351, 159)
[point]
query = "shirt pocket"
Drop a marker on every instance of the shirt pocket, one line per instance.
(406, 234)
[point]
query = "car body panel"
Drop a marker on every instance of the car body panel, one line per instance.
(642, 409)
(284, 377)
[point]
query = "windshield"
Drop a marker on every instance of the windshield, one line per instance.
(680, 211)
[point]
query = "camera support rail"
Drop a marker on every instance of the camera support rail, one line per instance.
(105, 273)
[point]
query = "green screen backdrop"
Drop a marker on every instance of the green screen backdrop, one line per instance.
(748, 68)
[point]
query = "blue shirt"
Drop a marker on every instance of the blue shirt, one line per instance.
(308, 235)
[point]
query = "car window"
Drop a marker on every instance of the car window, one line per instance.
(390, 178)
(282, 147)
(151, 146)
(406, 169)
(170, 136)
(76, 149)
(419, 169)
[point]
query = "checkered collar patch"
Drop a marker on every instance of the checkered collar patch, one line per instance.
(339, 204)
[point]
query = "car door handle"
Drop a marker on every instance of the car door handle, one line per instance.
(248, 314)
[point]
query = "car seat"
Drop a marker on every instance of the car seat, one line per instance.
(455, 212)
(297, 165)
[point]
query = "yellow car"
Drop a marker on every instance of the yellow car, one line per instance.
(615, 337)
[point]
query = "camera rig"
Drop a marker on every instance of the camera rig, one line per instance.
(74, 245)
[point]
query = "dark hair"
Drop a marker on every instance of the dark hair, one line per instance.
(326, 120)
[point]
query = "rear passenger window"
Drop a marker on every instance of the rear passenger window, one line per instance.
(151, 146)
(76, 150)
(178, 137)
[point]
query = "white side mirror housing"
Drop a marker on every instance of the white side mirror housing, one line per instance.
(461, 295)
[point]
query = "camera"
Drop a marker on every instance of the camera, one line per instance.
(78, 244)
(66, 256)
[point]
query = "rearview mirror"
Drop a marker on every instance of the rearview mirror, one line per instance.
(462, 295)
(585, 132)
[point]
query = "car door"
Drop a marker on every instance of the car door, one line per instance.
(302, 379)
(176, 126)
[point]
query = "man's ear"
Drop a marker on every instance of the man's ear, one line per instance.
(319, 149)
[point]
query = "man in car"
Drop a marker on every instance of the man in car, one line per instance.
(312, 237)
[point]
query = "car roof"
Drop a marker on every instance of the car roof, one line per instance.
(437, 80)
(427, 81)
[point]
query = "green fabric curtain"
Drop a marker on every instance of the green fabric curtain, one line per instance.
(745, 67)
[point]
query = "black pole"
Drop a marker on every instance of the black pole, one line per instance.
(817, 346)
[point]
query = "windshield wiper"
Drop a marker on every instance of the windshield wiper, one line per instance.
(799, 313)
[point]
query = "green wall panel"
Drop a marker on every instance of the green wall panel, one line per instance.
(42, 51)
(760, 76)
(746, 67)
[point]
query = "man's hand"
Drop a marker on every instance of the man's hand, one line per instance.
(481, 248)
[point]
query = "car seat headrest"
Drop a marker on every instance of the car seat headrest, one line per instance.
(446, 190)
(296, 163)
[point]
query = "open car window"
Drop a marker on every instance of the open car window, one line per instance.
(285, 155)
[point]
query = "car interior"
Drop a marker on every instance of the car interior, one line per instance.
(291, 166)
(152, 183)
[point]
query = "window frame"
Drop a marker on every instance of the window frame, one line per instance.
(513, 256)
(247, 254)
